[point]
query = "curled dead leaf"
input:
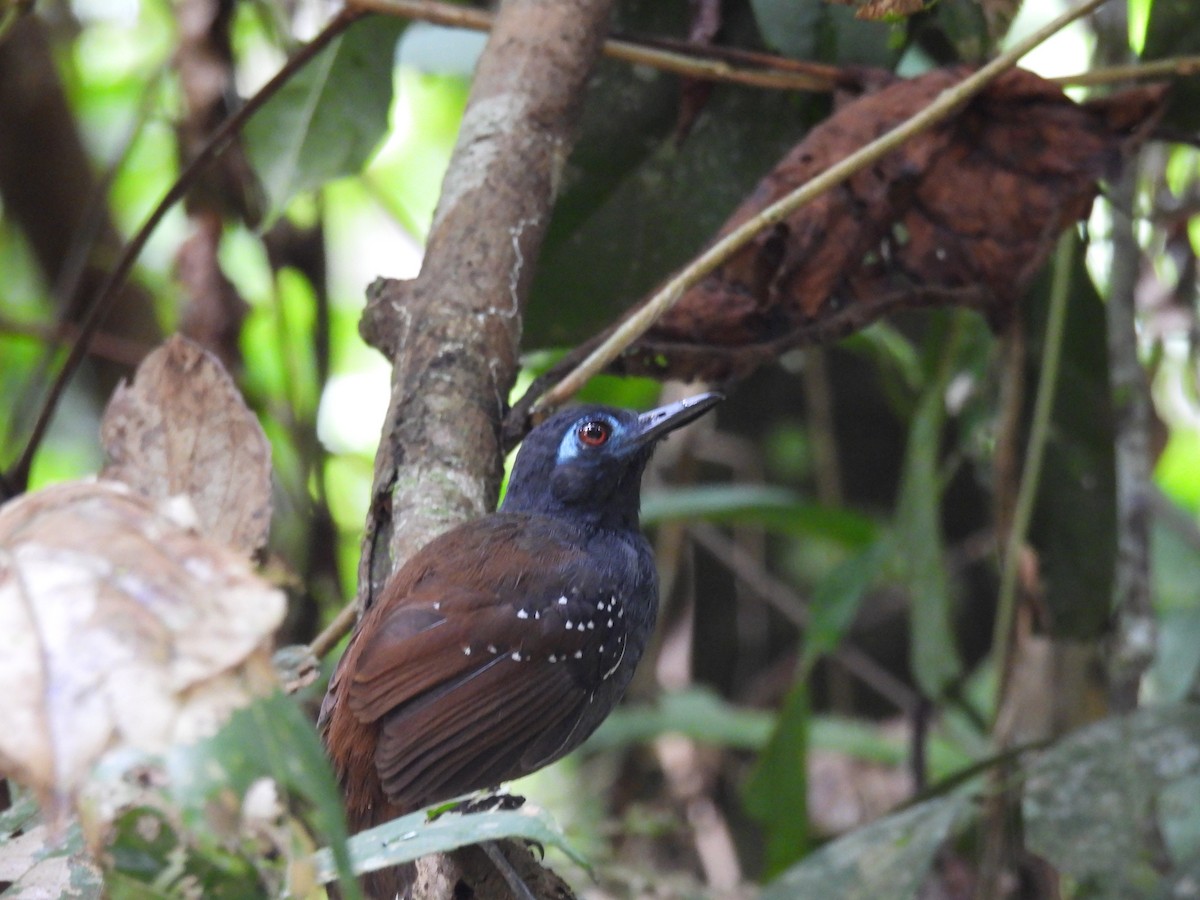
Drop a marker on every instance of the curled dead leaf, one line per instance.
(182, 427)
(963, 214)
(126, 629)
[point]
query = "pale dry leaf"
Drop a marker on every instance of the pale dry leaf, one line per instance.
(182, 427)
(36, 865)
(125, 629)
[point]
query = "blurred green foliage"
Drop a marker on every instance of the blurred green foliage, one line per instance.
(357, 149)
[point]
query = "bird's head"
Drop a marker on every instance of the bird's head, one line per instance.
(587, 461)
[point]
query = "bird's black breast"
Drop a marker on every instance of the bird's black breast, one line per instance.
(499, 648)
(599, 609)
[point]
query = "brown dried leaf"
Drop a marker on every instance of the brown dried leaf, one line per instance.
(182, 427)
(124, 629)
(963, 214)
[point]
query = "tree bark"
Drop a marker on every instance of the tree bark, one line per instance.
(453, 333)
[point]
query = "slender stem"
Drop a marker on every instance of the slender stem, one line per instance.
(1135, 631)
(942, 106)
(1039, 431)
(721, 64)
(765, 71)
(786, 602)
(1177, 67)
(335, 630)
(17, 477)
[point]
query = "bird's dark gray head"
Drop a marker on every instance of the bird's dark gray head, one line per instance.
(586, 462)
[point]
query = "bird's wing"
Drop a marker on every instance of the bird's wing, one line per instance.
(480, 676)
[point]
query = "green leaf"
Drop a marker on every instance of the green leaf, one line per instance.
(790, 27)
(636, 202)
(271, 738)
(776, 509)
(1074, 523)
(920, 557)
(814, 29)
(327, 121)
(888, 858)
(1177, 605)
(1173, 31)
(836, 600)
(776, 794)
(1114, 805)
(891, 350)
(413, 836)
(697, 713)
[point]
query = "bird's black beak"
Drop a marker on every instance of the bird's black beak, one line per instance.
(657, 422)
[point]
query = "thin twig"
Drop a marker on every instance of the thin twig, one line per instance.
(1134, 635)
(762, 71)
(735, 66)
(112, 347)
(942, 106)
(1039, 432)
(335, 630)
(1177, 67)
(17, 477)
(792, 607)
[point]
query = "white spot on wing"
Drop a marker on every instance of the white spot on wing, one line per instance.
(522, 614)
(608, 674)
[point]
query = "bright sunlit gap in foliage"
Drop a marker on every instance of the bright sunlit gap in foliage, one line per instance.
(390, 210)
(1066, 53)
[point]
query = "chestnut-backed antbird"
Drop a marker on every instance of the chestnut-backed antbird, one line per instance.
(503, 643)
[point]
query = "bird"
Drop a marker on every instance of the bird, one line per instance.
(502, 644)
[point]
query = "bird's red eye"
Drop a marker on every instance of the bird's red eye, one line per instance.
(593, 433)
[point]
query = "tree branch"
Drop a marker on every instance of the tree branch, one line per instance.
(453, 332)
(601, 352)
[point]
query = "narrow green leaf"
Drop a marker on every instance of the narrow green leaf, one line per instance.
(271, 737)
(920, 558)
(697, 713)
(776, 509)
(1171, 30)
(413, 836)
(892, 351)
(776, 794)
(889, 858)
(836, 600)
(327, 121)
(1074, 524)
